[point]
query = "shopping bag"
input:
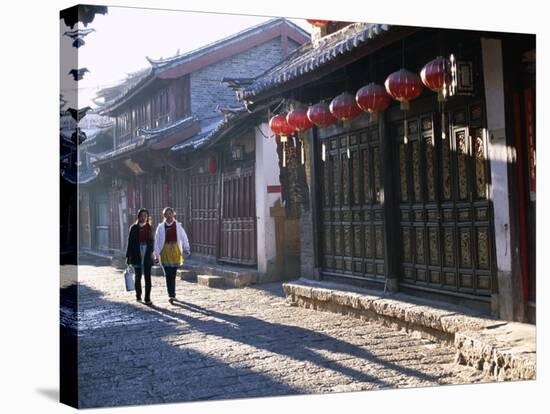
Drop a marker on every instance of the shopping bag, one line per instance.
(129, 278)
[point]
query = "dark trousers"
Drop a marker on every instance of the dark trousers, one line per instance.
(146, 271)
(170, 274)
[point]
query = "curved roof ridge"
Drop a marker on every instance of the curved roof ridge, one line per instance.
(311, 56)
(161, 62)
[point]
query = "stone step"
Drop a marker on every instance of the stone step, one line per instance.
(502, 350)
(237, 278)
(187, 275)
(211, 281)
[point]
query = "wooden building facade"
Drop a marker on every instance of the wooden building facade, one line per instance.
(437, 213)
(174, 145)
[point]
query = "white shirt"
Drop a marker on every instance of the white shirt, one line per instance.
(160, 236)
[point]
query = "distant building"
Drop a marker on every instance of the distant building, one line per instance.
(174, 145)
(98, 134)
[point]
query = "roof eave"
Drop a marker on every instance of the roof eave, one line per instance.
(252, 100)
(114, 108)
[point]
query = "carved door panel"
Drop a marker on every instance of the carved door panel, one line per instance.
(443, 181)
(352, 220)
(238, 222)
(204, 218)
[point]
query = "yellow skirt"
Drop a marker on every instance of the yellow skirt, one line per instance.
(171, 255)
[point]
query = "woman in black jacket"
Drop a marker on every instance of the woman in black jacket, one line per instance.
(139, 254)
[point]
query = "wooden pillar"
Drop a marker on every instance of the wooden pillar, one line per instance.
(314, 148)
(508, 296)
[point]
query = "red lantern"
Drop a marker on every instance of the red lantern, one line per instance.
(280, 127)
(344, 108)
(403, 86)
(435, 76)
(373, 98)
(318, 23)
(297, 118)
(319, 114)
(212, 165)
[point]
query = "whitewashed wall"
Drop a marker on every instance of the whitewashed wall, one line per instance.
(267, 173)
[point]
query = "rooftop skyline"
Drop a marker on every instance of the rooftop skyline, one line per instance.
(124, 37)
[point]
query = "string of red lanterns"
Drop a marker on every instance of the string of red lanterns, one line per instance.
(402, 85)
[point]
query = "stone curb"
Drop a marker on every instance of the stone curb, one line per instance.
(187, 275)
(233, 278)
(211, 281)
(502, 350)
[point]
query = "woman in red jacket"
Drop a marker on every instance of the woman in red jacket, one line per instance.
(139, 254)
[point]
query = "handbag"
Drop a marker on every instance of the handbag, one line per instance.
(129, 278)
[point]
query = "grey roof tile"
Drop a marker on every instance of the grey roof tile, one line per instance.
(310, 57)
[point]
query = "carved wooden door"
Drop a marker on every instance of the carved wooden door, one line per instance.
(204, 218)
(443, 184)
(352, 219)
(238, 217)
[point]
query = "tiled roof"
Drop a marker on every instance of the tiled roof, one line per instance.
(211, 132)
(130, 86)
(222, 43)
(87, 175)
(93, 133)
(119, 151)
(309, 57)
(157, 133)
(139, 80)
(147, 136)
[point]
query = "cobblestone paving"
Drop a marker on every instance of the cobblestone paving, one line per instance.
(236, 343)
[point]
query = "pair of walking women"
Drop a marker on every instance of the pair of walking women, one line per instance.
(168, 244)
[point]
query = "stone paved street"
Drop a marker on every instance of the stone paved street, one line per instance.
(237, 343)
